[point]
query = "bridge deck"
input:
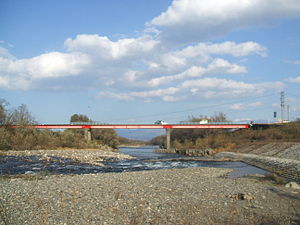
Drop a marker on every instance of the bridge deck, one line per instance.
(138, 126)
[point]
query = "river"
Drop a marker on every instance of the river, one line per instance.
(146, 159)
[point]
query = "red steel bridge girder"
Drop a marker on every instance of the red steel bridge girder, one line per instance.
(137, 126)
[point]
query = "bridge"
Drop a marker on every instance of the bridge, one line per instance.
(91, 125)
(88, 126)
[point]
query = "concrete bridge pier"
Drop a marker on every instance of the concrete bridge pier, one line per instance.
(168, 138)
(88, 134)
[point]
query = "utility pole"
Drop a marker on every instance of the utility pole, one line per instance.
(288, 112)
(282, 105)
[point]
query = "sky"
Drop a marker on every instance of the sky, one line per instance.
(138, 61)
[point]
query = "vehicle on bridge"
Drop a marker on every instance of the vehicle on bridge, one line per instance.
(160, 122)
(203, 122)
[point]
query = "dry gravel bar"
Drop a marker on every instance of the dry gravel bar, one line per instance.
(94, 156)
(177, 196)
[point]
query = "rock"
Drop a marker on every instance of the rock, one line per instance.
(242, 196)
(30, 172)
(293, 185)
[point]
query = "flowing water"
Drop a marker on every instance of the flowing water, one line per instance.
(146, 159)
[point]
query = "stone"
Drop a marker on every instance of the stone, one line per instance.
(29, 172)
(247, 197)
(293, 185)
(242, 196)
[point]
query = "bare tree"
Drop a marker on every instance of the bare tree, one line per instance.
(21, 116)
(3, 112)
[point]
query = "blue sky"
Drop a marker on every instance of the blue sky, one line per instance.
(137, 61)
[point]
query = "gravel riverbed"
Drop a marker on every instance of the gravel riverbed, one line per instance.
(177, 196)
(92, 156)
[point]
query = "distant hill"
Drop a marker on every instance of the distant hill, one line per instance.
(140, 134)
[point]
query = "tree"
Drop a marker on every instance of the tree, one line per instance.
(3, 112)
(193, 138)
(217, 117)
(106, 136)
(21, 116)
(79, 118)
(103, 136)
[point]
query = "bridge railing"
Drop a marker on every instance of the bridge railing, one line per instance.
(89, 123)
(218, 123)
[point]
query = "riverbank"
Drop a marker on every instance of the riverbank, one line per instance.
(178, 196)
(281, 158)
(288, 150)
(288, 168)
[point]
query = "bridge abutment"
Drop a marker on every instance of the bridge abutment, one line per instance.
(168, 138)
(88, 134)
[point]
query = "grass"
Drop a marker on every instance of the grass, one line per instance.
(275, 179)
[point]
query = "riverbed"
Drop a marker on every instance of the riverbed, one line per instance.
(127, 160)
(139, 191)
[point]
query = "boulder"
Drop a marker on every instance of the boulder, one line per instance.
(293, 185)
(242, 196)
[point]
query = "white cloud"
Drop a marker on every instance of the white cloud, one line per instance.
(155, 93)
(194, 71)
(223, 66)
(216, 83)
(296, 62)
(225, 88)
(97, 62)
(243, 106)
(218, 66)
(228, 47)
(131, 75)
(294, 79)
(145, 68)
(4, 53)
(19, 73)
(194, 20)
(175, 62)
(4, 82)
(54, 64)
(163, 94)
(204, 88)
(277, 85)
(104, 48)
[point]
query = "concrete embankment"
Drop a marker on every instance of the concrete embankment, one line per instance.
(287, 150)
(280, 158)
(287, 168)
